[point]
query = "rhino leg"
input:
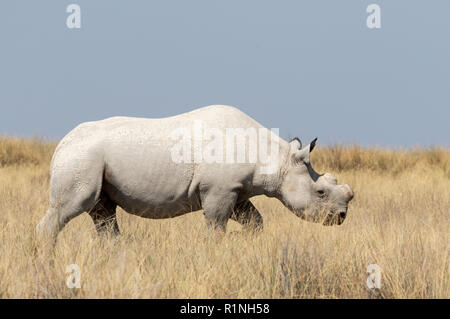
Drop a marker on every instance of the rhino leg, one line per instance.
(49, 227)
(59, 215)
(75, 187)
(103, 215)
(246, 214)
(217, 207)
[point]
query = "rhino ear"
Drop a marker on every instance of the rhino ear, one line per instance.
(296, 144)
(298, 154)
(312, 144)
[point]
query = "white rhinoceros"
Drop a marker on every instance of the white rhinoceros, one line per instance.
(136, 163)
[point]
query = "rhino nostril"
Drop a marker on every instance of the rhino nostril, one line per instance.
(348, 192)
(342, 215)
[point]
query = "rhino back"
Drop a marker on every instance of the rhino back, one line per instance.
(139, 172)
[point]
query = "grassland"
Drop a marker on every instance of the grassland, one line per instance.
(399, 220)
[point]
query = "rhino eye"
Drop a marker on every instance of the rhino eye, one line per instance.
(321, 193)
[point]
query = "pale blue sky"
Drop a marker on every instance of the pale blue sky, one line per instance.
(311, 68)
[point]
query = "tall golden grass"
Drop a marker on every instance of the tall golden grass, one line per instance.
(399, 220)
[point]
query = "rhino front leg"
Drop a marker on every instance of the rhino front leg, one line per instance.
(217, 207)
(103, 215)
(246, 214)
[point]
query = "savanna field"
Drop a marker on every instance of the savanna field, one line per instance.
(399, 219)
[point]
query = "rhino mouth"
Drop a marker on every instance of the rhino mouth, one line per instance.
(335, 218)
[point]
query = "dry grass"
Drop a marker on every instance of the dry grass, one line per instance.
(17, 151)
(399, 220)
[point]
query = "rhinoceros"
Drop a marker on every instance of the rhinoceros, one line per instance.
(130, 162)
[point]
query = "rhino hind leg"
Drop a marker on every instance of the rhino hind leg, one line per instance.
(246, 214)
(75, 187)
(58, 216)
(49, 227)
(103, 215)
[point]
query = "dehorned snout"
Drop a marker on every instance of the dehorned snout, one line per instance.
(348, 192)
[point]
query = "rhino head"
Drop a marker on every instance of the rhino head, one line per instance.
(312, 196)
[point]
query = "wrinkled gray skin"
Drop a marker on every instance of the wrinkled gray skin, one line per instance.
(127, 162)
